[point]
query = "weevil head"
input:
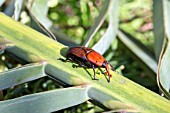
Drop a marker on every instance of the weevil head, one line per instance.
(107, 65)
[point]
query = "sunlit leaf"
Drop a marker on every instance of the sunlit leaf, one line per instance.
(38, 11)
(104, 43)
(113, 104)
(163, 75)
(98, 22)
(166, 4)
(45, 102)
(164, 63)
(18, 6)
(22, 74)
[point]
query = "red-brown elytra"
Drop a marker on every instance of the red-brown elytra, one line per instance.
(87, 57)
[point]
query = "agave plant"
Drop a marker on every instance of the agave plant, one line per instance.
(40, 54)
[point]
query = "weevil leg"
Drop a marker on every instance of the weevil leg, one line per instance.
(63, 60)
(67, 60)
(109, 79)
(107, 73)
(81, 65)
(94, 72)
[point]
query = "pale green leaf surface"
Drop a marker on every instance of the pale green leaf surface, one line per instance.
(45, 102)
(158, 29)
(18, 7)
(164, 72)
(106, 40)
(120, 88)
(36, 8)
(164, 76)
(151, 63)
(20, 75)
(99, 21)
(110, 102)
(166, 4)
(40, 10)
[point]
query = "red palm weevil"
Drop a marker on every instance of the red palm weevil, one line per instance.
(86, 57)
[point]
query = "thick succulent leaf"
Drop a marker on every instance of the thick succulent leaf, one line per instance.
(40, 9)
(31, 43)
(18, 7)
(14, 8)
(1, 2)
(166, 5)
(113, 104)
(45, 102)
(158, 30)
(164, 64)
(20, 75)
(99, 21)
(163, 73)
(104, 43)
(149, 61)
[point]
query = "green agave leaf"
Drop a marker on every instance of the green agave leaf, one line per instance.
(36, 44)
(22, 74)
(149, 61)
(113, 104)
(166, 4)
(163, 73)
(104, 43)
(164, 63)
(1, 2)
(46, 102)
(99, 21)
(38, 11)
(158, 29)
(18, 7)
